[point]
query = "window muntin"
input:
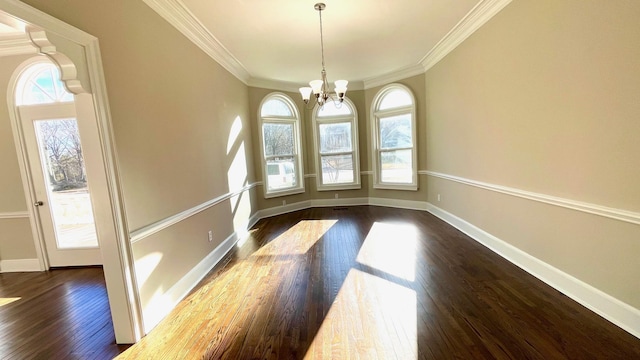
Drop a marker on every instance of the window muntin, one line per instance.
(280, 138)
(41, 84)
(336, 139)
(394, 132)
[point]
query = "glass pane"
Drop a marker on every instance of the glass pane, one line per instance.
(395, 132)
(330, 109)
(335, 137)
(278, 139)
(395, 98)
(45, 87)
(337, 169)
(275, 107)
(396, 166)
(69, 200)
(281, 174)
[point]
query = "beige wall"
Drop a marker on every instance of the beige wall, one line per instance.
(11, 191)
(16, 241)
(173, 110)
(544, 98)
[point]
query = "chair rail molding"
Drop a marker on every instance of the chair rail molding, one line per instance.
(612, 213)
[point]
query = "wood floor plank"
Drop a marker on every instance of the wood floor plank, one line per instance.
(348, 283)
(61, 314)
(369, 282)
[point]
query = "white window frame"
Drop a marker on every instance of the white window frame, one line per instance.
(336, 119)
(297, 149)
(375, 132)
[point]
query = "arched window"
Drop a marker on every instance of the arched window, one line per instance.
(394, 139)
(281, 152)
(335, 130)
(40, 84)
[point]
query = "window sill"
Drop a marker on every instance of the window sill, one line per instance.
(275, 194)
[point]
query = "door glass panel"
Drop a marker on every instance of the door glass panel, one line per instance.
(65, 175)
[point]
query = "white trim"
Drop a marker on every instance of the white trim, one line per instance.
(612, 213)
(19, 265)
(273, 84)
(119, 277)
(376, 150)
(478, 16)
(277, 85)
(352, 120)
(394, 76)
(399, 204)
(162, 305)
(612, 309)
(158, 226)
(16, 45)
(619, 313)
(302, 205)
(14, 215)
(177, 14)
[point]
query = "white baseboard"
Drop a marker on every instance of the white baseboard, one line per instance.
(20, 265)
(162, 305)
(619, 313)
(400, 204)
(280, 210)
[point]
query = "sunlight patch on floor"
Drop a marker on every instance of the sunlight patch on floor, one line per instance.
(7, 301)
(371, 318)
(391, 248)
(293, 242)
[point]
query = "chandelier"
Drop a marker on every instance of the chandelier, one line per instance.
(319, 87)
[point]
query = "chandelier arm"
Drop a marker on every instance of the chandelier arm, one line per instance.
(320, 88)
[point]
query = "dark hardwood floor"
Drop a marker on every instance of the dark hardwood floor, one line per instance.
(358, 282)
(58, 314)
(375, 283)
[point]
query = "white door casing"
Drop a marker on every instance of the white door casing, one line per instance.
(101, 166)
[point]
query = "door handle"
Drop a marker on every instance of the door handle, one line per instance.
(38, 203)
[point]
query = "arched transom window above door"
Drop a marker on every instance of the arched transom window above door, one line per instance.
(40, 84)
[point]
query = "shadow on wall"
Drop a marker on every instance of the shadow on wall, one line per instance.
(163, 299)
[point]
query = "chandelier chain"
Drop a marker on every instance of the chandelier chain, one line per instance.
(320, 87)
(321, 39)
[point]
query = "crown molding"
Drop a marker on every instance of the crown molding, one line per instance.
(273, 84)
(16, 45)
(292, 87)
(400, 74)
(477, 17)
(177, 14)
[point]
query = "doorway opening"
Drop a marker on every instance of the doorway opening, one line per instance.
(51, 132)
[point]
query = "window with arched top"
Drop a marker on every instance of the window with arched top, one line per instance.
(394, 139)
(280, 140)
(335, 130)
(40, 84)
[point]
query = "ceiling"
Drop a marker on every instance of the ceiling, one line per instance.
(278, 41)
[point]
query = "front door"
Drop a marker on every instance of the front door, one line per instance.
(59, 181)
